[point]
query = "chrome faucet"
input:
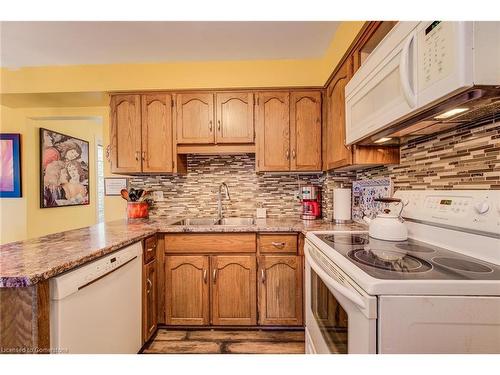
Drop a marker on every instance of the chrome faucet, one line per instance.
(219, 199)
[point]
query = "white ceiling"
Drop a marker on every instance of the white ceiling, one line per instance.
(67, 43)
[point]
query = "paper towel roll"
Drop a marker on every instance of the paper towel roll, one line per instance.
(341, 204)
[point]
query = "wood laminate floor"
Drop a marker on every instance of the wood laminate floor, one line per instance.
(169, 341)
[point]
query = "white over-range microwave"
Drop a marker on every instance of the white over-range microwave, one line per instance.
(423, 76)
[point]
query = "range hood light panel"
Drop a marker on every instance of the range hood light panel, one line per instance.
(382, 140)
(450, 113)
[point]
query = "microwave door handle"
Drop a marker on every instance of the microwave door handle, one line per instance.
(404, 73)
(334, 285)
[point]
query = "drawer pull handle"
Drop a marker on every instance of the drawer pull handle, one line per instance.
(205, 276)
(278, 244)
(214, 275)
(150, 285)
(263, 275)
(150, 249)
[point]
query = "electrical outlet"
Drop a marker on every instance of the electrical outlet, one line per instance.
(158, 196)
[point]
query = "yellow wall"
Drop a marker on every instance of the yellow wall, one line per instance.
(64, 98)
(23, 218)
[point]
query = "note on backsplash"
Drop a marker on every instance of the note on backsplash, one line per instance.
(363, 194)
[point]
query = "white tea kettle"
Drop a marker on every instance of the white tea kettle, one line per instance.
(388, 226)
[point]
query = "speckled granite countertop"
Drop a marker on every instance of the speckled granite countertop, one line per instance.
(27, 262)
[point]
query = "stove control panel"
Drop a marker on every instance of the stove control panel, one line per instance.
(477, 210)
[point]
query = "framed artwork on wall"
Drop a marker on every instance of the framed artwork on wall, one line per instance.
(10, 166)
(64, 170)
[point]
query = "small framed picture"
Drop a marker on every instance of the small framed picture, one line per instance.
(10, 166)
(113, 185)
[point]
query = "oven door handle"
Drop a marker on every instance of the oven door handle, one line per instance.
(334, 285)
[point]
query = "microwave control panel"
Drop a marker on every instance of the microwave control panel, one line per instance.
(435, 52)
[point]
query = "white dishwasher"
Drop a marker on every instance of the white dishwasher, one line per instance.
(96, 308)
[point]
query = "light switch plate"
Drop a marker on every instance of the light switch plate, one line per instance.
(261, 213)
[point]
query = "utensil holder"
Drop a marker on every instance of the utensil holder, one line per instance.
(137, 210)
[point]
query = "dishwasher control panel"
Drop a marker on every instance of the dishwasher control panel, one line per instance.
(71, 281)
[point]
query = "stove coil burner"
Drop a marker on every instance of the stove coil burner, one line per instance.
(347, 239)
(407, 264)
(415, 248)
(462, 265)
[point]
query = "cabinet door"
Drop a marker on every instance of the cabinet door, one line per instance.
(149, 300)
(195, 118)
(234, 117)
(157, 145)
(280, 290)
(234, 294)
(273, 131)
(125, 133)
(186, 290)
(337, 154)
(305, 130)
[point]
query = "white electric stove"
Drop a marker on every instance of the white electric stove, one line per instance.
(441, 294)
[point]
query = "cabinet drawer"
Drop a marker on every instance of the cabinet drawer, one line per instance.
(149, 249)
(278, 243)
(200, 243)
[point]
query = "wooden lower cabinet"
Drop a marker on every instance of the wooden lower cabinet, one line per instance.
(186, 290)
(149, 307)
(280, 290)
(234, 290)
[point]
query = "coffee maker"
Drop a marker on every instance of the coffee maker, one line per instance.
(310, 197)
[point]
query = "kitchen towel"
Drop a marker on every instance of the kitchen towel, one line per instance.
(365, 191)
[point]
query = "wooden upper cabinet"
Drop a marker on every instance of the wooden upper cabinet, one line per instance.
(280, 290)
(234, 117)
(149, 304)
(187, 290)
(305, 130)
(273, 131)
(125, 133)
(371, 37)
(195, 118)
(234, 294)
(337, 153)
(157, 149)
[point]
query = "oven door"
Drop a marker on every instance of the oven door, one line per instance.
(340, 317)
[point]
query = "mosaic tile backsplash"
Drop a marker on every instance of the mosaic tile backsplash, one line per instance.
(464, 158)
(195, 193)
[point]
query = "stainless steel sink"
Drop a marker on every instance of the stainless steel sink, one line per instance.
(212, 221)
(197, 221)
(236, 221)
